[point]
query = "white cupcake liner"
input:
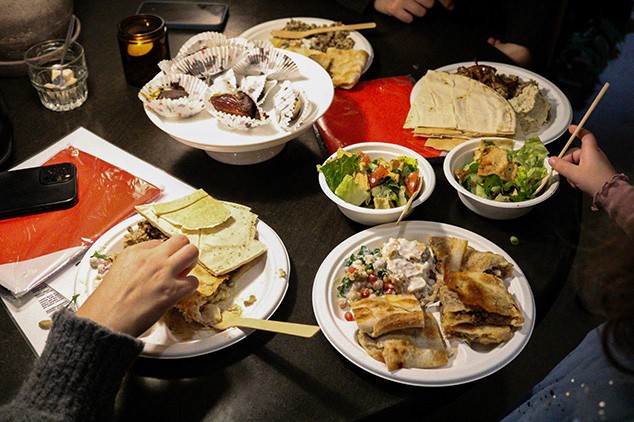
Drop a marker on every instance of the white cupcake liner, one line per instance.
(181, 108)
(285, 103)
(200, 42)
(270, 62)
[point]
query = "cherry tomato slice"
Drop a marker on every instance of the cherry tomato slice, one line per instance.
(348, 316)
(363, 157)
(377, 174)
(412, 182)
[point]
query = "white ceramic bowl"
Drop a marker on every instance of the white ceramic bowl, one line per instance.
(369, 216)
(462, 155)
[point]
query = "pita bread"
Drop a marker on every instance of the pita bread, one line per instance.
(222, 248)
(409, 348)
(382, 314)
(444, 144)
(453, 102)
(346, 66)
(319, 56)
(448, 251)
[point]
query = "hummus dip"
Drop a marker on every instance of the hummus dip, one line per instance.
(530, 107)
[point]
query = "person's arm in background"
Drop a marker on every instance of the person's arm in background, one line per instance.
(403, 10)
(88, 353)
(589, 169)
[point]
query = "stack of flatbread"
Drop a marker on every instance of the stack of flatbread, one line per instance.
(474, 302)
(344, 66)
(450, 109)
(226, 237)
(395, 330)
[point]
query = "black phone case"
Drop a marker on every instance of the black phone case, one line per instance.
(38, 189)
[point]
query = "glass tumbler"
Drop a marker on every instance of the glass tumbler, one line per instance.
(143, 43)
(61, 86)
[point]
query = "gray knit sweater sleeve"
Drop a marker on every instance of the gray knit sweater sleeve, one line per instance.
(78, 375)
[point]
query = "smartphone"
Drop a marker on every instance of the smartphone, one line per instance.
(37, 190)
(200, 16)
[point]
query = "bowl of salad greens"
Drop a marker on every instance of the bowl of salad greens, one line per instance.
(497, 177)
(372, 182)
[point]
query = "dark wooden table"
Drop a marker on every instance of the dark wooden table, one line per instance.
(276, 377)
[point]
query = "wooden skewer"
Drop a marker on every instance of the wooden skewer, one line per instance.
(410, 200)
(574, 135)
(232, 320)
(280, 33)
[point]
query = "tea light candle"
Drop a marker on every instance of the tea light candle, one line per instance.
(143, 43)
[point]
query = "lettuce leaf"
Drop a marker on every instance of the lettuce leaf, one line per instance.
(335, 170)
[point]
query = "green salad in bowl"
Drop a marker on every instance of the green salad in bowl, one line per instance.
(500, 173)
(375, 183)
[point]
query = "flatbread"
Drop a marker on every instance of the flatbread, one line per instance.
(478, 307)
(346, 66)
(319, 56)
(409, 348)
(486, 262)
(206, 212)
(197, 306)
(486, 292)
(449, 252)
(222, 248)
(444, 144)
(453, 102)
(382, 314)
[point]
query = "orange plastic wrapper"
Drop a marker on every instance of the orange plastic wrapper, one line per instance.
(35, 247)
(372, 111)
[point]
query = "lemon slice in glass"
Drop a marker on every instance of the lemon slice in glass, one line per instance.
(136, 50)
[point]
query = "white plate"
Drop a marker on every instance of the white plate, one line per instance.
(266, 278)
(560, 115)
(468, 364)
(234, 146)
(262, 32)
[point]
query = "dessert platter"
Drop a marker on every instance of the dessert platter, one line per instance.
(239, 101)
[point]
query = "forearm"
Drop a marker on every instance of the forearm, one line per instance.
(79, 373)
(617, 199)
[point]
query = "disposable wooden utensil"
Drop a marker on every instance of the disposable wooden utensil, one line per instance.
(410, 200)
(574, 135)
(280, 33)
(232, 320)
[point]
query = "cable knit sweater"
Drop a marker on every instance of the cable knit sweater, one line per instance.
(78, 375)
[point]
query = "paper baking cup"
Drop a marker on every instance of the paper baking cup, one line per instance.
(181, 108)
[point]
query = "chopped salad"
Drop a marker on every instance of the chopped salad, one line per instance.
(362, 181)
(400, 266)
(502, 174)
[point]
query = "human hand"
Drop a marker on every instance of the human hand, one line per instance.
(586, 168)
(144, 281)
(518, 53)
(407, 10)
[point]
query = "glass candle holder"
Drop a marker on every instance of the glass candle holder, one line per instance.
(143, 43)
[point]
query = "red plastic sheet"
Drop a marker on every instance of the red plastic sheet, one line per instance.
(373, 111)
(35, 247)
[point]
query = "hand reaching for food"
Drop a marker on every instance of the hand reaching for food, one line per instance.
(144, 281)
(407, 10)
(586, 168)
